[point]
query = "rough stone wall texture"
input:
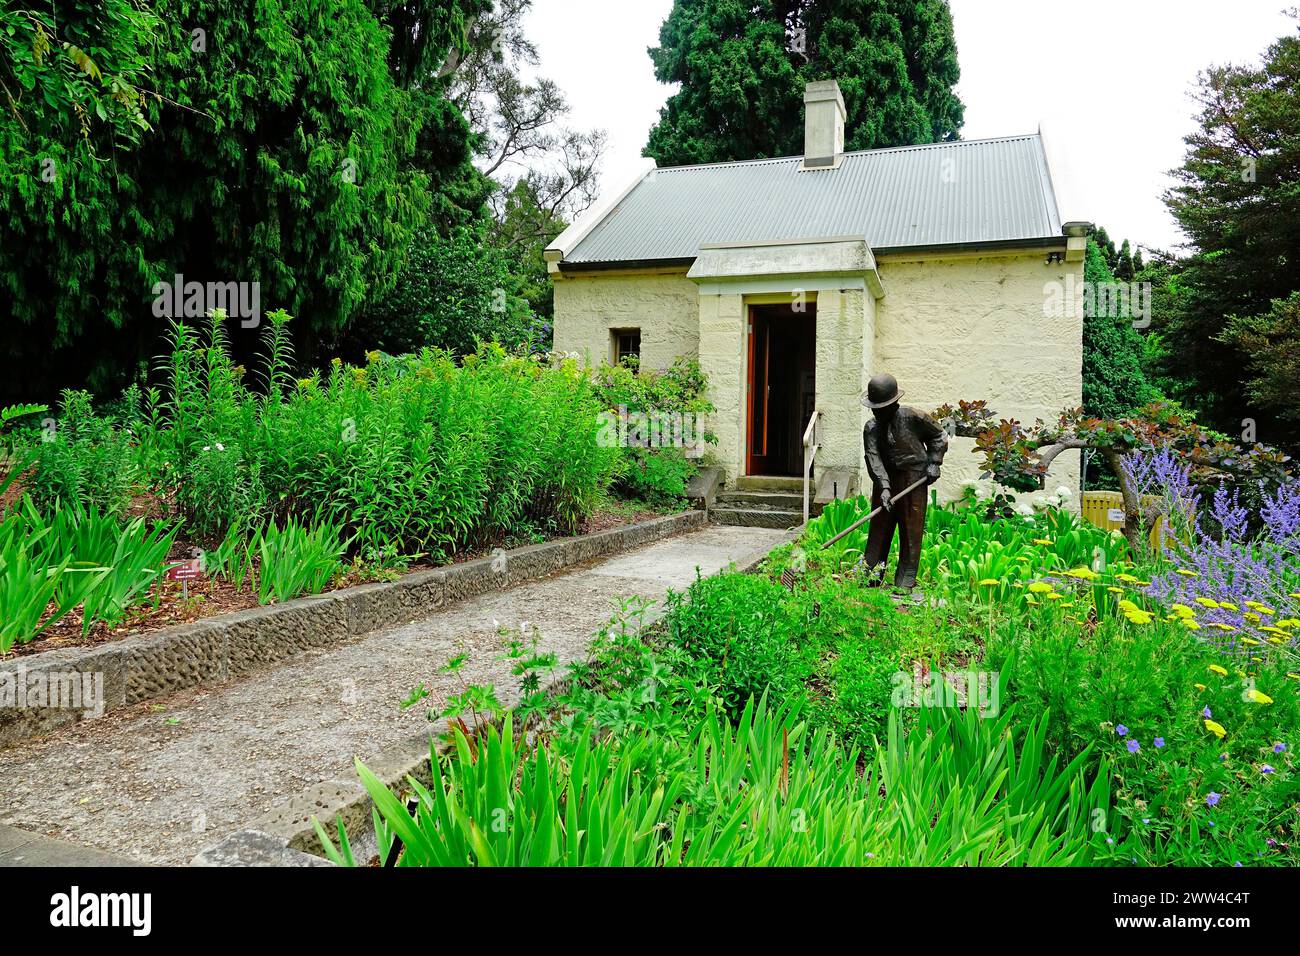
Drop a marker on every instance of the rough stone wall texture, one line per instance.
(724, 345)
(973, 327)
(844, 348)
(664, 306)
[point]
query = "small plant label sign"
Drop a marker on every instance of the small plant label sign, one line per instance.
(185, 572)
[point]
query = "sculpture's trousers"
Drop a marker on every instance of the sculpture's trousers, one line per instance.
(908, 516)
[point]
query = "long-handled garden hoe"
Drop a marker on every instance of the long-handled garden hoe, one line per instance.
(861, 521)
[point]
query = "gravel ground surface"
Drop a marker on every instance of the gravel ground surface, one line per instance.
(160, 781)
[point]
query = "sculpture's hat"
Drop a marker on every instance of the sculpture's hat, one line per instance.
(882, 390)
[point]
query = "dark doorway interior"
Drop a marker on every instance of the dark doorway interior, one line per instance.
(782, 387)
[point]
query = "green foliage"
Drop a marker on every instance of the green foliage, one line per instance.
(657, 419)
(111, 566)
(657, 476)
(27, 586)
(296, 559)
(452, 293)
(1272, 340)
(224, 154)
(220, 490)
(76, 557)
(1141, 690)
(416, 454)
(83, 459)
(742, 70)
(742, 628)
(1237, 201)
(1114, 383)
(768, 791)
(837, 517)
(965, 550)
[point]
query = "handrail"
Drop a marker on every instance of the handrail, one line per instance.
(809, 453)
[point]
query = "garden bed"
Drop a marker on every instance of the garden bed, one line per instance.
(210, 596)
(146, 666)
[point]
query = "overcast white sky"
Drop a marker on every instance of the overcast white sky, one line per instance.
(1108, 80)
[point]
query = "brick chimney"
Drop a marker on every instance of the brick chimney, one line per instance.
(823, 125)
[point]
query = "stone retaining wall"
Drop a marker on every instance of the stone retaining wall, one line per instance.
(156, 664)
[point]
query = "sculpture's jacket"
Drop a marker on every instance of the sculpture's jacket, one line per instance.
(910, 442)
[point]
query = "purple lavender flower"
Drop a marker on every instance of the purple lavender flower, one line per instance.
(1133, 746)
(1121, 730)
(1160, 741)
(1206, 713)
(1267, 769)
(1225, 561)
(1212, 799)
(1279, 748)
(1281, 514)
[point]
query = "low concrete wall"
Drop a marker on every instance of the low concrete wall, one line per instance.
(153, 665)
(286, 836)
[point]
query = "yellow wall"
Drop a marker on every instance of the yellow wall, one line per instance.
(948, 328)
(973, 327)
(663, 305)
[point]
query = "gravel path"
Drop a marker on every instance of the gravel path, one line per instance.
(160, 781)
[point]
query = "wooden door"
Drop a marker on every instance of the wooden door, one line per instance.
(760, 389)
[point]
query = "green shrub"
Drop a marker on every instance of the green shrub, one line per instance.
(655, 466)
(220, 490)
(413, 454)
(656, 475)
(83, 459)
(452, 293)
(743, 631)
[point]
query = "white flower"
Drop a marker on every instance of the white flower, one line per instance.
(220, 447)
(1025, 510)
(1041, 504)
(207, 448)
(1064, 493)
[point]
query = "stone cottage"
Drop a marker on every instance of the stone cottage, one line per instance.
(794, 280)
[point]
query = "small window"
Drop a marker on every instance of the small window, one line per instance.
(626, 343)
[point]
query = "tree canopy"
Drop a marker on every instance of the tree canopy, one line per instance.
(1238, 200)
(743, 66)
(1114, 382)
(291, 144)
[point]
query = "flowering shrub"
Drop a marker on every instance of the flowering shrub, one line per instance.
(1018, 457)
(1237, 587)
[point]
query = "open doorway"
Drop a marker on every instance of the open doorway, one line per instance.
(782, 387)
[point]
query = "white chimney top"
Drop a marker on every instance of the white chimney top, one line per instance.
(823, 126)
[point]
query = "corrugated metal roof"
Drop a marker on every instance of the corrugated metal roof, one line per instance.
(974, 191)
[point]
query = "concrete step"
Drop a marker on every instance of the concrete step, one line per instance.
(757, 517)
(769, 483)
(780, 500)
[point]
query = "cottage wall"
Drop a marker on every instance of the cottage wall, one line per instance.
(951, 327)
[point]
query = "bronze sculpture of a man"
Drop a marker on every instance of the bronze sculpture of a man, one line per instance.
(902, 445)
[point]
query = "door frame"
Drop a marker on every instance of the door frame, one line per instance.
(751, 348)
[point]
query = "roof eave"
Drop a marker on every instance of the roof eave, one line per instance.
(1035, 242)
